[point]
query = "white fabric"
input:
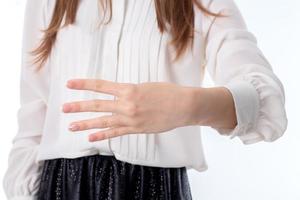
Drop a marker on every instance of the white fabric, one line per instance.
(131, 49)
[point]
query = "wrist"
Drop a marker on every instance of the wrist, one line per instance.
(200, 106)
(212, 107)
(194, 106)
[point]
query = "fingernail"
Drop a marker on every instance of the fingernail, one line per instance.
(73, 127)
(69, 83)
(66, 107)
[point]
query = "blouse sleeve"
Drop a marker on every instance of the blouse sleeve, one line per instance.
(234, 61)
(21, 179)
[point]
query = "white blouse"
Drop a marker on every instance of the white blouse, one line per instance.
(131, 49)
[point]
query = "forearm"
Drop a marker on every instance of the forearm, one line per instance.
(212, 107)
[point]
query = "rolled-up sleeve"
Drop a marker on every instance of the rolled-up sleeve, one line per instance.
(234, 61)
(21, 179)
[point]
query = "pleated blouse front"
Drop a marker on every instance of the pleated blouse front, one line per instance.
(130, 48)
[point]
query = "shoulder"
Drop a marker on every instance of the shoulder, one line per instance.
(34, 9)
(219, 5)
(35, 5)
(41, 9)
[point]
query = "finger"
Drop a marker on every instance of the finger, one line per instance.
(98, 122)
(110, 133)
(95, 105)
(96, 85)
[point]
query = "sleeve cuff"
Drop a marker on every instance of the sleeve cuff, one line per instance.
(246, 101)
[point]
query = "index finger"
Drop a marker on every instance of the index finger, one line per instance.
(96, 85)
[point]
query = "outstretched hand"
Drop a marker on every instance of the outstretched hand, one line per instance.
(149, 107)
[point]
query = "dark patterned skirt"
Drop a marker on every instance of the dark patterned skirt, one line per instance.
(103, 177)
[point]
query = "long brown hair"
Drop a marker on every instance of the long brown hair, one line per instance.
(179, 14)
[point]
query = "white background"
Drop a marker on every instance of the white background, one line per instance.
(261, 171)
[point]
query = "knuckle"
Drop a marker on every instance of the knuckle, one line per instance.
(83, 126)
(129, 91)
(96, 104)
(104, 123)
(114, 121)
(115, 132)
(118, 121)
(103, 135)
(101, 122)
(110, 134)
(97, 86)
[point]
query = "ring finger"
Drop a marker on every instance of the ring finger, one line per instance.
(98, 122)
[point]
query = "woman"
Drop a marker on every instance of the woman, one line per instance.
(135, 77)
